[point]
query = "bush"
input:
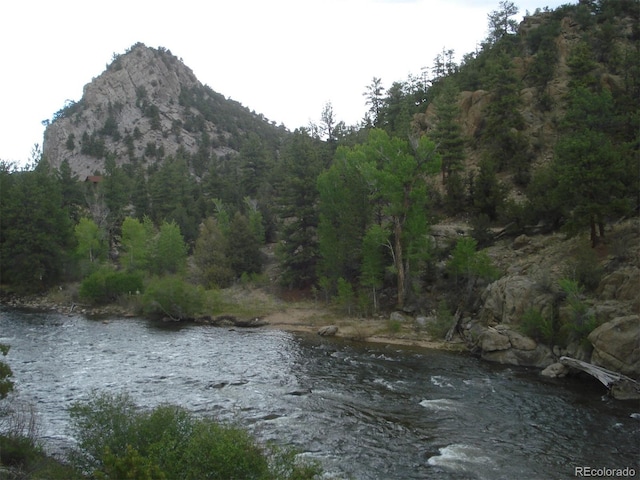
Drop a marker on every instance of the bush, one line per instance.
(106, 285)
(116, 440)
(173, 297)
(581, 322)
(538, 327)
(585, 268)
(444, 321)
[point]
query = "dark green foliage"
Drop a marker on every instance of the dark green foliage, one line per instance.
(344, 213)
(71, 142)
(172, 196)
(488, 193)
(171, 296)
(302, 161)
(71, 190)
(35, 230)
(212, 265)
(244, 247)
(106, 285)
(581, 321)
(447, 133)
(93, 145)
(539, 327)
(594, 174)
(110, 128)
(468, 264)
(584, 268)
(541, 42)
(116, 440)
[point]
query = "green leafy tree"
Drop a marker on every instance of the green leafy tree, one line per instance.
(468, 264)
(170, 252)
(374, 260)
(397, 175)
(212, 265)
(137, 243)
(91, 241)
(344, 214)
(173, 297)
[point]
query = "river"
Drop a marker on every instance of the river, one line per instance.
(365, 411)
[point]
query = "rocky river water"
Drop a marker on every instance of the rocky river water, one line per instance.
(365, 411)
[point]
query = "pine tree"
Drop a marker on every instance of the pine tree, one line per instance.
(302, 161)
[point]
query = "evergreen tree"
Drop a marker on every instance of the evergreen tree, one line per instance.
(211, 262)
(302, 161)
(72, 195)
(35, 230)
(447, 132)
(244, 251)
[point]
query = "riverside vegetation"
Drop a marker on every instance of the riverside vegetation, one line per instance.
(515, 169)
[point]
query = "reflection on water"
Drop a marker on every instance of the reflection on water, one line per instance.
(364, 411)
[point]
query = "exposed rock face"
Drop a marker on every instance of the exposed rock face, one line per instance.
(133, 111)
(506, 300)
(616, 345)
(503, 345)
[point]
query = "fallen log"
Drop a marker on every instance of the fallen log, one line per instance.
(620, 386)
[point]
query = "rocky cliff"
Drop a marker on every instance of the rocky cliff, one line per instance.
(146, 105)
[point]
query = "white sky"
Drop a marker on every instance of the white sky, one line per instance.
(282, 58)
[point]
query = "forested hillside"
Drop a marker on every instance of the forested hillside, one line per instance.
(154, 183)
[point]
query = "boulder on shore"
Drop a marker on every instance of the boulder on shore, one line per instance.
(616, 345)
(328, 331)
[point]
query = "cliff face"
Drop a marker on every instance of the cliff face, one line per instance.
(139, 109)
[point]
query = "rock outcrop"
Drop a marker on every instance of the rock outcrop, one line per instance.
(145, 106)
(616, 345)
(503, 345)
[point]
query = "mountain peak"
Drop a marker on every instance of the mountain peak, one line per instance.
(146, 105)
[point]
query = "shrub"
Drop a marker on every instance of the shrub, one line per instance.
(585, 268)
(173, 297)
(444, 321)
(581, 322)
(538, 327)
(106, 285)
(116, 440)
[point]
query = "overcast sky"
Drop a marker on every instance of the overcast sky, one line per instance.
(282, 58)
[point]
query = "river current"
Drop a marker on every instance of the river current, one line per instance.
(364, 411)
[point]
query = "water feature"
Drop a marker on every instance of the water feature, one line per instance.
(364, 411)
